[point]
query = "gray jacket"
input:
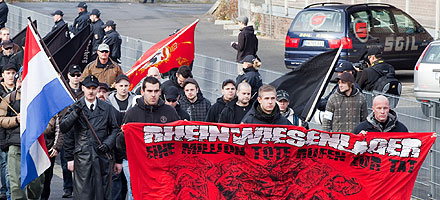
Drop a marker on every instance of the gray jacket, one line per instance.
(343, 113)
(112, 100)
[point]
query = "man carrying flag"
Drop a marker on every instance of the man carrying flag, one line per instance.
(41, 95)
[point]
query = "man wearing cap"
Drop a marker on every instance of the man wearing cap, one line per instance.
(82, 20)
(97, 31)
(59, 21)
(74, 78)
(346, 108)
(17, 58)
(341, 68)
(236, 109)
(193, 102)
(113, 39)
(171, 97)
(283, 103)
(3, 13)
(369, 76)
(150, 108)
(104, 68)
(251, 75)
(265, 110)
(10, 121)
(87, 151)
(228, 94)
(6, 53)
(122, 98)
(247, 41)
(103, 91)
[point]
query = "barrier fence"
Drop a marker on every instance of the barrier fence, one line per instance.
(210, 72)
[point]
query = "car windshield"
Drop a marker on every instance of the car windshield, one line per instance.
(432, 54)
(318, 21)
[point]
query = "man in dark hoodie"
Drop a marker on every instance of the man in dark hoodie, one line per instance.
(176, 80)
(247, 41)
(368, 77)
(148, 109)
(265, 110)
(171, 96)
(382, 119)
(228, 94)
(236, 109)
(193, 102)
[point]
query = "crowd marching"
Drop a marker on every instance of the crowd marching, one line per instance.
(87, 134)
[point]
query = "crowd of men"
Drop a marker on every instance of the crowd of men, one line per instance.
(87, 134)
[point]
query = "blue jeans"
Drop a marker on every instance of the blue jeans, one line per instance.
(127, 176)
(4, 177)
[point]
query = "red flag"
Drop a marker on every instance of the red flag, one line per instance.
(172, 52)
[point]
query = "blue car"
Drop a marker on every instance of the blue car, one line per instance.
(323, 26)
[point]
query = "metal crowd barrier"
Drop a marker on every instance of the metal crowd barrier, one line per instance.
(210, 72)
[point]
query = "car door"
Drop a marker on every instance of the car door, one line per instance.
(359, 32)
(382, 32)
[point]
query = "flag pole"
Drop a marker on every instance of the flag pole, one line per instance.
(65, 84)
(9, 106)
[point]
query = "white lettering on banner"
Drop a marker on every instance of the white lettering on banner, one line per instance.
(402, 147)
(400, 43)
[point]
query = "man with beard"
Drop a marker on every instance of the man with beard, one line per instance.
(235, 110)
(193, 102)
(228, 93)
(265, 110)
(103, 91)
(346, 108)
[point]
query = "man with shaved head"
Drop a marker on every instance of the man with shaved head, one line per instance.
(382, 119)
(154, 72)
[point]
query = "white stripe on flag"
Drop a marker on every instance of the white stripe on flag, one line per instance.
(37, 153)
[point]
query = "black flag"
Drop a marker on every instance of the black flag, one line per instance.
(67, 52)
(307, 83)
(57, 39)
(22, 34)
(82, 56)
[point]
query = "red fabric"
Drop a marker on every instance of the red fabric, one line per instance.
(172, 52)
(199, 160)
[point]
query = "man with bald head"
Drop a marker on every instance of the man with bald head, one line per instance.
(382, 119)
(154, 72)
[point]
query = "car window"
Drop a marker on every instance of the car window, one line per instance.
(360, 25)
(404, 23)
(432, 55)
(382, 22)
(318, 21)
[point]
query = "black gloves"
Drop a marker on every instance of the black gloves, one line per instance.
(103, 148)
(77, 107)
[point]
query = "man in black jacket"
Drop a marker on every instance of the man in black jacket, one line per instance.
(59, 21)
(368, 77)
(177, 79)
(87, 151)
(3, 13)
(6, 53)
(382, 119)
(193, 102)
(265, 110)
(247, 41)
(97, 31)
(228, 94)
(113, 39)
(148, 109)
(236, 109)
(82, 20)
(171, 96)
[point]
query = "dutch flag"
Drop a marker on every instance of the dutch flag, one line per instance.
(43, 95)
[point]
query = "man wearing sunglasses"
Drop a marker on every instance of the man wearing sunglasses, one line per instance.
(104, 68)
(6, 53)
(74, 77)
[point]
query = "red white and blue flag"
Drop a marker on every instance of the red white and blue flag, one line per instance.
(43, 95)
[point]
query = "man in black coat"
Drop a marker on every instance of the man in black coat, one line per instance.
(3, 13)
(265, 110)
(235, 110)
(59, 21)
(382, 119)
(113, 39)
(150, 108)
(88, 154)
(6, 53)
(97, 31)
(368, 77)
(177, 79)
(228, 94)
(82, 20)
(247, 41)
(171, 97)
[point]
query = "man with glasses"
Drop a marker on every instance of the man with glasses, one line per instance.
(104, 68)
(6, 53)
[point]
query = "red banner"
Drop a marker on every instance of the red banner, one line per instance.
(199, 160)
(171, 52)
